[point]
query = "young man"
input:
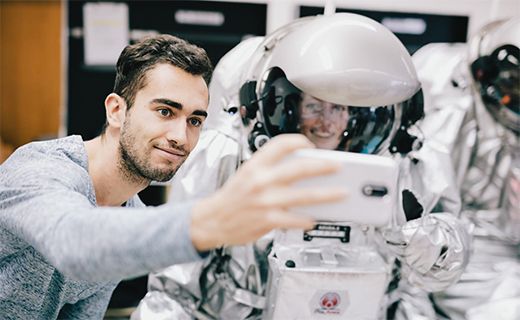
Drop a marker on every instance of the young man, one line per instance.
(71, 225)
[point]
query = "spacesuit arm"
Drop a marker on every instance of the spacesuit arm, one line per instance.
(509, 220)
(433, 244)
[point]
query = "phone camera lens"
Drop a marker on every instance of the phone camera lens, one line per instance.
(374, 191)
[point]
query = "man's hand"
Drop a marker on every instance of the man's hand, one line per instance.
(256, 199)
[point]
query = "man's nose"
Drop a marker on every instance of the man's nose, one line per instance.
(177, 132)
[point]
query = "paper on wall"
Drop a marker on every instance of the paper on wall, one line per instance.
(106, 32)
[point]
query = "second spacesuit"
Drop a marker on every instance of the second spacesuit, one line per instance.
(472, 91)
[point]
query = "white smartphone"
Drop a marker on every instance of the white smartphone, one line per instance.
(370, 180)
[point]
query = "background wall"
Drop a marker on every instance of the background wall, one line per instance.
(30, 78)
(34, 42)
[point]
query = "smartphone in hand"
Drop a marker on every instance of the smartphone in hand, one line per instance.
(370, 180)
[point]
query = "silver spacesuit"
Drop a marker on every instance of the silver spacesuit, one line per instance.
(348, 84)
(472, 94)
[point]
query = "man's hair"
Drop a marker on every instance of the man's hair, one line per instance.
(137, 59)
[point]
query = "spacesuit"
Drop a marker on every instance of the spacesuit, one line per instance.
(348, 84)
(472, 91)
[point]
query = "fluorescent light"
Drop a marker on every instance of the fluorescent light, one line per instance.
(405, 25)
(206, 18)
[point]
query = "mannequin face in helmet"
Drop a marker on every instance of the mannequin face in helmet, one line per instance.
(332, 126)
(322, 122)
(287, 109)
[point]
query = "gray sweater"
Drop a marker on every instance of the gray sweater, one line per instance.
(61, 255)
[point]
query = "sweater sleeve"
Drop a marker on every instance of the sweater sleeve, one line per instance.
(96, 243)
(93, 307)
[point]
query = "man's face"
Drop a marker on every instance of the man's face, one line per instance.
(163, 125)
(322, 122)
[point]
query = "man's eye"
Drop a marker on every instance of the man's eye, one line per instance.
(195, 122)
(165, 112)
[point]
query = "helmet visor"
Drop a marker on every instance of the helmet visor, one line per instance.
(498, 82)
(286, 109)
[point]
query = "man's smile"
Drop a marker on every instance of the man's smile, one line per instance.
(171, 154)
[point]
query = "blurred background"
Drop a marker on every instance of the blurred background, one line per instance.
(57, 58)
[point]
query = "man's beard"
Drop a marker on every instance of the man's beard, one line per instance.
(138, 168)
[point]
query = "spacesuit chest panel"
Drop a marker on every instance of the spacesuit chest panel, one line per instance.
(326, 280)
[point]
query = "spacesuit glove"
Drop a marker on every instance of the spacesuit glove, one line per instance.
(434, 250)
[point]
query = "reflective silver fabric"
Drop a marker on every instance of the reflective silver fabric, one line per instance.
(486, 159)
(234, 283)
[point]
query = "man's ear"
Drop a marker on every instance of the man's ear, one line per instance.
(115, 108)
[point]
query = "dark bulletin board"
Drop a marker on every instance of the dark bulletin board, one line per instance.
(439, 28)
(88, 86)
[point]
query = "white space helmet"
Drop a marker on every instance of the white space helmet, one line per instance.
(343, 80)
(494, 57)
